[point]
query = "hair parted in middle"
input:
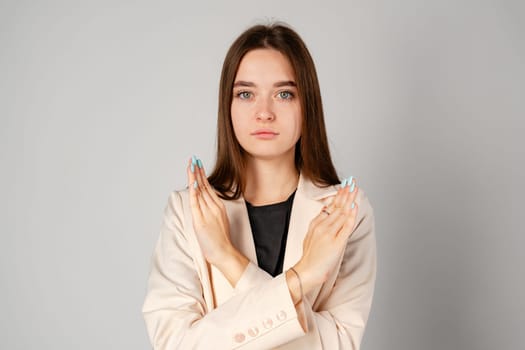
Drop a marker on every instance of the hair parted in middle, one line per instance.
(312, 154)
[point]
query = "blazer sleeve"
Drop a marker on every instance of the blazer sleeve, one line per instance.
(337, 319)
(177, 316)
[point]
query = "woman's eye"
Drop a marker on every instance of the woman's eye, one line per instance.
(285, 95)
(244, 95)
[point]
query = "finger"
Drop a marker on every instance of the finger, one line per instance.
(211, 195)
(191, 173)
(194, 200)
(208, 204)
(339, 198)
(339, 201)
(323, 215)
(349, 225)
(349, 205)
(326, 215)
(353, 187)
(340, 217)
(352, 194)
(352, 200)
(343, 214)
(331, 223)
(198, 177)
(319, 218)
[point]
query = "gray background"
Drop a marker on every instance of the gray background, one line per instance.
(103, 102)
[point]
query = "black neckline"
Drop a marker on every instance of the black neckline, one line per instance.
(273, 205)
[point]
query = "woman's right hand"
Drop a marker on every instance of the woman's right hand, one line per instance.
(326, 238)
(211, 225)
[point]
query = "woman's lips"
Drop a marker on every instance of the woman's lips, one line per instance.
(265, 134)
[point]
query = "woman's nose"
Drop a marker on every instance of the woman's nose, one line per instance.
(264, 110)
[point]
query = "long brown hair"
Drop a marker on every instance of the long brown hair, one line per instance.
(312, 154)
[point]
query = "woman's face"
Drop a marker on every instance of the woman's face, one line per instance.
(266, 110)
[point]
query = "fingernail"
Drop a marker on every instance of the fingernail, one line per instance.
(195, 184)
(192, 168)
(343, 183)
(352, 187)
(349, 180)
(353, 205)
(199, 163)
(193, 160)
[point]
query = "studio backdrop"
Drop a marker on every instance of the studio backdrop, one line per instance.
(103, 102)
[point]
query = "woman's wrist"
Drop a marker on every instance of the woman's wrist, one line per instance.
(294, 286)
(232, 265)
(308, 280)
(297, 293)
(299, 283)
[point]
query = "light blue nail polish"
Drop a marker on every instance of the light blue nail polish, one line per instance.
(192, 168)
(193, 160)
(343, 183)
(195, 184)
(199, 163)
(349, 180)
(353, 205)
(352, 187)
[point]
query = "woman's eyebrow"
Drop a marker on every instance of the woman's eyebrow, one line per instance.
(285, 83)
(243, 83)
(277, 84)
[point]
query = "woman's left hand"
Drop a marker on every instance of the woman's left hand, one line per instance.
(210, 221)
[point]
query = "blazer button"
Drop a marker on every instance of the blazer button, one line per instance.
(253, 331)
(268, 323)
(239, 337)
(281, 316)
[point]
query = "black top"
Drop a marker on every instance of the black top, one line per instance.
(269, 225)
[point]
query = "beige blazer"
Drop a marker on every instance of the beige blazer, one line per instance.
(190, 304)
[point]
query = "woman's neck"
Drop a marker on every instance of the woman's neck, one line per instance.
(269, 181)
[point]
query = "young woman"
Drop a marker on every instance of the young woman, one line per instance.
(272, 249)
